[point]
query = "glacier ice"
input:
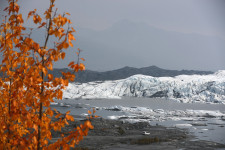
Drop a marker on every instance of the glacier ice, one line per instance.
(182, 88)
(144, 114)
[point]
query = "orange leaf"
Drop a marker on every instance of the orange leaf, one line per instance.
(82, 67)
(71, 37)
(73, 29)
(65, 45)
(89, 125)
(63, 54)
(44, 23)
(89, 112)
(82, 59)
(46, 142)
(50, 77)
(58, 115)
(34, 140)
(71, 63)
(65, 82)
(50, 66)
(70, 43)
(35, 127)
(44, 70)
(68, 117)
(60, 94)
(68, 13)
(94, 111)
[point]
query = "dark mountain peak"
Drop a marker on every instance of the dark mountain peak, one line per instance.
(151, 67)
(143, 68)
(126, 68)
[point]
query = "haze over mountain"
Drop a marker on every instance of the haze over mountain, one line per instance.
(128, 43)
(171, 34)
(134, 44)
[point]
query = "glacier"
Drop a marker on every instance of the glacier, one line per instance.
(182, 88)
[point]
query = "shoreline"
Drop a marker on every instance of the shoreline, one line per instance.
(118, 135)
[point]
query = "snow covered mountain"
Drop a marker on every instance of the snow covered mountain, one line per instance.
(183, 88)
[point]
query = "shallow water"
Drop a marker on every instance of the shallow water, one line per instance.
(205, 128)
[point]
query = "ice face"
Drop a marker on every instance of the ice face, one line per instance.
(182, 88)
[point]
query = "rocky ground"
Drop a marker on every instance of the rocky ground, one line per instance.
(119, 135)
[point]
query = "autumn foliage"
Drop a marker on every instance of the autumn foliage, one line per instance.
(27, 88)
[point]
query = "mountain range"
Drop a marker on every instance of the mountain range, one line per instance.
(125, 72)
(128, 43)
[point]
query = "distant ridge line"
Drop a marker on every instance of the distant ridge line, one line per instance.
(125, 72)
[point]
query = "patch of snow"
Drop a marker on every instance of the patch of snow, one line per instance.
(183, 125)
(205, 129)
(54, 103)
(146, 133)
(113, 117)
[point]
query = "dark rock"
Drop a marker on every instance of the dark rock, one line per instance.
(113, 109)
(160, 94)
(176, 94)
(198, 124)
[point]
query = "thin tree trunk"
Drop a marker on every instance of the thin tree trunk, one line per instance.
(42, 85)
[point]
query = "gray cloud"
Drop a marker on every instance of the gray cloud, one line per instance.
(175, 34)
(202, 16)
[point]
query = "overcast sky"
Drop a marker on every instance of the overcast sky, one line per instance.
(202, 19)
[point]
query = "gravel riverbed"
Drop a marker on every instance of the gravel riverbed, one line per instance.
(119, 135)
